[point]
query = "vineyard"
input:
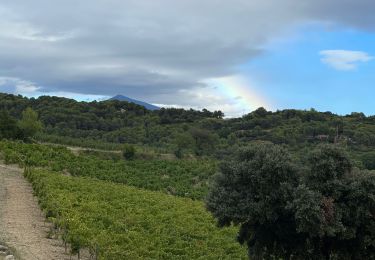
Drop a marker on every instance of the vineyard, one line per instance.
(185, 178)
(91, 208)
(119, 222)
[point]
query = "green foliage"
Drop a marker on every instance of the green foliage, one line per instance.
(8, 127)
(116, 122)
(327, 212)
(184, 142)
(368, 160)
(129, 152)
(143, 150)
(186, 178)
(253, 191)
(111, 124)
(204, 141)
(343, 224)
(328, 165)
(29, 123)
(119, 222)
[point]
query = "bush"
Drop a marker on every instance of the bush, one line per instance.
(368, 160)
(129, 152)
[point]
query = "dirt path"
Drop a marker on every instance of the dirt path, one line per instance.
(77, 149)
(22, 224)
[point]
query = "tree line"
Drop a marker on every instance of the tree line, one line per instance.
(200, 133)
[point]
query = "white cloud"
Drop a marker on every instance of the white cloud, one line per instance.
(19, 86)
(344, 59)
(26, 87)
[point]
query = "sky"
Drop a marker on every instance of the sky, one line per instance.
(233, 56)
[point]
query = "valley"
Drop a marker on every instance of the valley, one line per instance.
(111, 180)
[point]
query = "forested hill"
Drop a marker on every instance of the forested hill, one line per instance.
(197, 132)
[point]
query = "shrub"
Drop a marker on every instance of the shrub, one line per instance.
(129, 152)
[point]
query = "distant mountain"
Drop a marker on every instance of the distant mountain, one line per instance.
(141, 103)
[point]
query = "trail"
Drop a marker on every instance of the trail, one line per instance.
(77, 149)
(22, 224)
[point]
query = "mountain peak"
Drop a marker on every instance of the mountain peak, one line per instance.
(138, 102)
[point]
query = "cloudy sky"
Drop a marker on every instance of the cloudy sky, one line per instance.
(231, 55)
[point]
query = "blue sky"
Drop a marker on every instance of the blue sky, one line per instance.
(292, 75)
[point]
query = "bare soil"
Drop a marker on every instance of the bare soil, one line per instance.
(22, 225)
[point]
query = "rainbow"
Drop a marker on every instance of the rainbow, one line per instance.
(241, 91)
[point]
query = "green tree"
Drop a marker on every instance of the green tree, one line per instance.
(204, 141)
(260, 112)
(218, 114)
(8, 127)
(253, 191)
(335, 207)
(183, 142)
(29, 123)
(328, 212)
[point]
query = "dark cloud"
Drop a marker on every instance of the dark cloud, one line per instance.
(155, 49)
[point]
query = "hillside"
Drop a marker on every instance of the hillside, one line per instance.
(141, 202)
(112, 123)
(122, 209)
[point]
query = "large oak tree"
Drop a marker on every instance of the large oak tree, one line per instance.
(326, 209)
